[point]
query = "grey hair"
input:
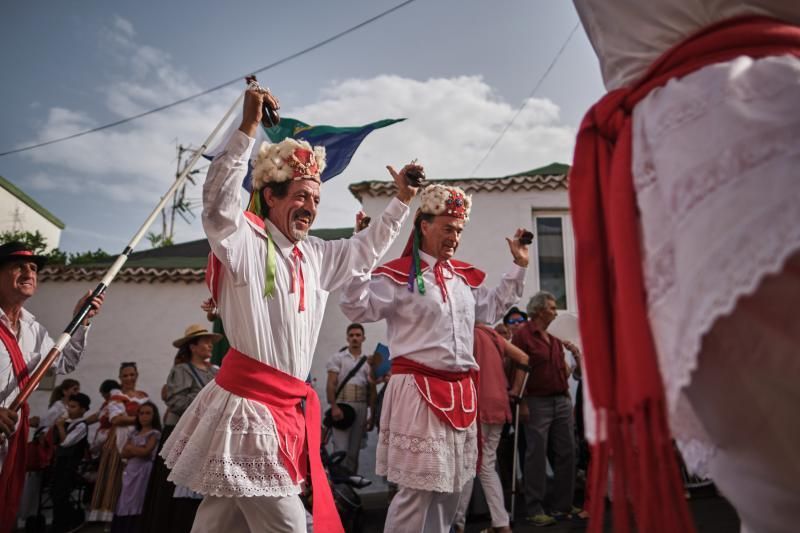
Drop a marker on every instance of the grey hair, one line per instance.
(538, 302)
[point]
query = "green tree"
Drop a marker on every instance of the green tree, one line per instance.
(33, 240)
(38, 244)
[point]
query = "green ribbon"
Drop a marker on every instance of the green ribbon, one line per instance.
(271, 265)
(270, 262)
(420, 281)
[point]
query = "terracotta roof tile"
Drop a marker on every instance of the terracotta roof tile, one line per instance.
(551, 177)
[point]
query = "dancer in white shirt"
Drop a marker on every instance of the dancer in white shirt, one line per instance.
(242, 442)
(428, 435)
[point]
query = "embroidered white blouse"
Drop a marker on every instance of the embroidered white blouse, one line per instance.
(425, 328)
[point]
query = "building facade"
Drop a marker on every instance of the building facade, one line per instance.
(20, 212)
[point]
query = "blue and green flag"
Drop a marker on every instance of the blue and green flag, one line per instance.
(340, 142)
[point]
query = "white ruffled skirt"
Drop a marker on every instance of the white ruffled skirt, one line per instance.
(225, 445)
(715, 164)
(416, 449)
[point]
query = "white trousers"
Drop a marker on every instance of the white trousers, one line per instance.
(255, 514)
(490, 480)
(422, 511)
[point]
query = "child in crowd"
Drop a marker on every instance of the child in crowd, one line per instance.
(71, 432)
(140, 450)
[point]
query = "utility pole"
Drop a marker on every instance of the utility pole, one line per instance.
(179, 203)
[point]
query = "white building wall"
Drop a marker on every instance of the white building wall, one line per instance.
(138, 323)
(16, 215)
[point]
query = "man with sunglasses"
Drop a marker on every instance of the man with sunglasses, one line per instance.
(515, 319)
(23, 344)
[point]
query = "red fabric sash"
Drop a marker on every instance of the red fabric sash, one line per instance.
(621, 361)
(452, 396)
(281, 394)
(12, 477)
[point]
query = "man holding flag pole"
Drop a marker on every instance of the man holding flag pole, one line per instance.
(244, 442)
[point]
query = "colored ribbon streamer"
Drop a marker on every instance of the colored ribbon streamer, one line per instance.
(438, 274)
(416, 270)
(270, 266)
(297, 276)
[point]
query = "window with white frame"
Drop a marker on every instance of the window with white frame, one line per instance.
(554, 255)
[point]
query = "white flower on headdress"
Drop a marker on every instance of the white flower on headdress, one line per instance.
(277, 163)
(438, 199)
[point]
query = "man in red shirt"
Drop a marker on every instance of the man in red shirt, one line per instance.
(490, 348)
(549, 431)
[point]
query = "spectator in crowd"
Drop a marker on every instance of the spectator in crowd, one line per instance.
(57, 408)
(357, 393)
(23, 345)
(503, 330)
(122, 408)
(73, 443)
(101, 416)
(514, 319)
(46, 438)
(549, 430)
(169, 508)
(139, 450)
(490, 348)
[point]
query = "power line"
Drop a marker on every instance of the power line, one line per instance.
(525, 102)
(212, 89)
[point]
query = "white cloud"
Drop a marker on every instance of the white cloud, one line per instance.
(451, 124)
(124, 26)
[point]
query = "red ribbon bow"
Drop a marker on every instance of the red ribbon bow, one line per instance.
(297, 277)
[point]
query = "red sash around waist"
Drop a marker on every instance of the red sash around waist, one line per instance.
(451, 395)
(621, 361)
(281, 394)
(12, 475)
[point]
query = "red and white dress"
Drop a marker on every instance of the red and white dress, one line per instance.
(416, 448)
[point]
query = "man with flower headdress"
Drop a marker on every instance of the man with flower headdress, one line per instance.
(244, 442)
(428, 435)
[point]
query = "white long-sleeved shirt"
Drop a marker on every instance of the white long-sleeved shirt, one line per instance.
(425, 328)
(271, 329)
(35, 343)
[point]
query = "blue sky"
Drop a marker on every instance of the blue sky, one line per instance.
(457, 69)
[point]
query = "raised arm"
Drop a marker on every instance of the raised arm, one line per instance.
(367, 299)
(223, 220)
(359, 254)
(492, 303)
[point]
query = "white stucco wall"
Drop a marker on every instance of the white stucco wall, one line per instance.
(16, 215)
(138, 323)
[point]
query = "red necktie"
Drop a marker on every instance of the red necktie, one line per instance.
(438, 274)
(297, 277)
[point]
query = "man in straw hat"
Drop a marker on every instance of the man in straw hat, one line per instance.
(428, 435)
(244, 442)
(23, 344)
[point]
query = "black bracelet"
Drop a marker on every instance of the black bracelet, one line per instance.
(520, 366)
